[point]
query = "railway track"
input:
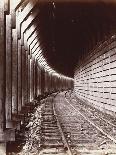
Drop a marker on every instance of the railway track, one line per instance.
(86, 129)
(68, 128)
(53, 140)
(95, 117)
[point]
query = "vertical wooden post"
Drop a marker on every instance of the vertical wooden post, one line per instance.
(19, 77)
(2, 75)
(28, 78)
(13, 13)
(2, 65)
(46, 84)
(26, 68)
(39, 80)
(42, 81)
(36, 80)
(14, 72)
(31, 79)
(23, 75)
(8, 102)
(6, 6)
(32, 76)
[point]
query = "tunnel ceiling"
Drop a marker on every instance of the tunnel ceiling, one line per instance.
(70, 29)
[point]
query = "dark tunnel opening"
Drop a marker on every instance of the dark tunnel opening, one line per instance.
(70, 30)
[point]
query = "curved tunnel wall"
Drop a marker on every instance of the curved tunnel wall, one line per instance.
(95, 77)
(24, 73)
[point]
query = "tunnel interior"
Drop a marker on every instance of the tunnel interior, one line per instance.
(57, 71)
(69, 30)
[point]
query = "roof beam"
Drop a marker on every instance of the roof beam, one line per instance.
(24, 14)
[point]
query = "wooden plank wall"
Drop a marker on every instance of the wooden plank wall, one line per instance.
(22, 78)
(95, 79)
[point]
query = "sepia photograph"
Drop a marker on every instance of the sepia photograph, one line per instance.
(57, 77)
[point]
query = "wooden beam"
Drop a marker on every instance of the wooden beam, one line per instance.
(13, 19)
(28, 78)
(14, 71)
(27, 23)
(6, 6)
(18, 4)
(31, 31)
(8, 102)
(19, 77)
(31, 39)
(23, 76)
(13, 6)
(31, 79)
(35, 41)
(34, 82)
(2, 65)
(13, 13)
(24, 14)
(35, 47)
